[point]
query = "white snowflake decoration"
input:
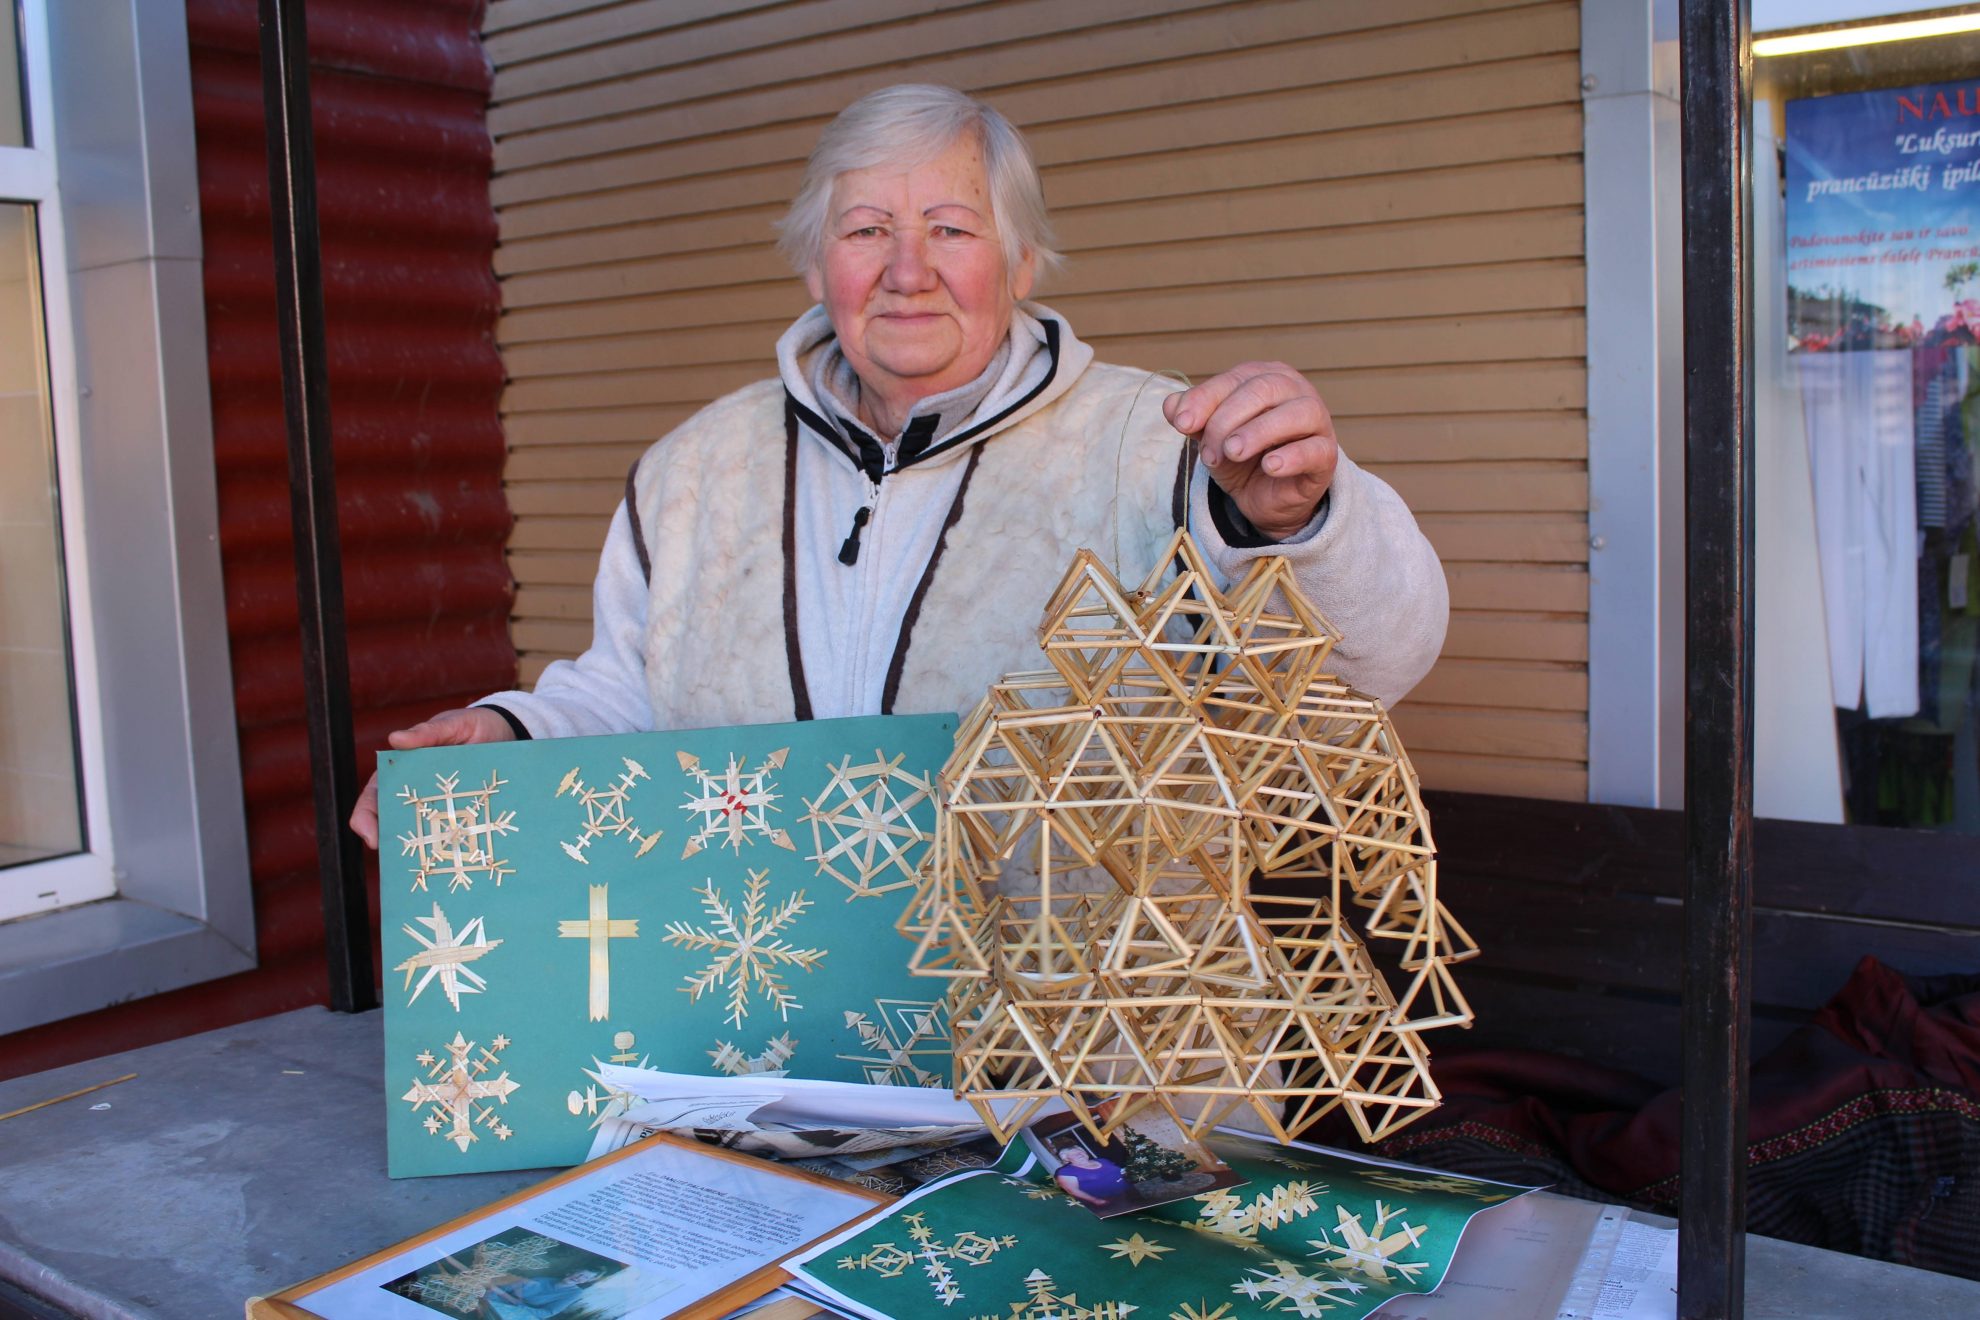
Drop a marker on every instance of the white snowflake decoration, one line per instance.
(1372, 1251)
(1229, 1216)
(1286, 1285)
(1135, 1249)
(454, 833)
(862, 825)
(1043, 1301)
(455, 1087)
(1426, 1182)
(612, 1101)
(446, 956)
(735, 805)
(605, 812)
(907, 1033)
(890, 1261)
(747, 953)
(731, 1061)
(1201, 1310)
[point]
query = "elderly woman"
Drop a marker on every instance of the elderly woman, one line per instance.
(876, 529)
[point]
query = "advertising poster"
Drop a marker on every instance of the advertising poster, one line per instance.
(1882, 212)
(1883, 219)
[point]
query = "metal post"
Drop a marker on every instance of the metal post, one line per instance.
(1717, 95)
(313, 501)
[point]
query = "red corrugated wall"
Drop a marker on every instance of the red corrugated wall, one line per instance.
(403, 155)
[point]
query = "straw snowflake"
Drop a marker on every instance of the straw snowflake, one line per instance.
(1285, 1286)
(612, 1101)
(1135, 1249)
(890, 1261)
(863, 828)
(454, 833)
(1229, 1216)
(1372, 1251)
(1201, 1311)
(1043, 1301)
(735, 805)
(456, 1086)
(747, 953)
(446, 956)
(731, 1061)
(907, 1030)
(1412, 1182)
(605, 812)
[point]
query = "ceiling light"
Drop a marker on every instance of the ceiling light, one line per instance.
(1833, 38)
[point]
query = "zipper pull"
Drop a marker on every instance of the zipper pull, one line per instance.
(849, 551)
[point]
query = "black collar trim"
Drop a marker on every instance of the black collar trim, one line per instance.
(861, 449)
(967, 434)
(865, 451)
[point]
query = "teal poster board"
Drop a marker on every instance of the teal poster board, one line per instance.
(714, 901)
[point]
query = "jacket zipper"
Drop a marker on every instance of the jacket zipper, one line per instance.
(868, 518)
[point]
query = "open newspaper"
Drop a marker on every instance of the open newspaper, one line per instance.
(889, 1139)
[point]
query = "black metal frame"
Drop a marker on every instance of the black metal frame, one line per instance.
(313, 501)
(1716, 110)
(1716, 113)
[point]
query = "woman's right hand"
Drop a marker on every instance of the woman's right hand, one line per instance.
(450, 728)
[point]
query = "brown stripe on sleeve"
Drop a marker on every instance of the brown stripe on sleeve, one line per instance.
(1179, 500)
(632, 516)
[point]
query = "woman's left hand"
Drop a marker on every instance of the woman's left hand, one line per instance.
(1268, 440)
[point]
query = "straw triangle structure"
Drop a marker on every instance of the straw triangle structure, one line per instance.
(1187, 868)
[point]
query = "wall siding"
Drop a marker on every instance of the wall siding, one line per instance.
(1388, 197)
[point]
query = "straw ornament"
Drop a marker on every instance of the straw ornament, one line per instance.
(1146, 860)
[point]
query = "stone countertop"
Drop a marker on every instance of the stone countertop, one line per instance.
(248, 1159)
(237, 1162)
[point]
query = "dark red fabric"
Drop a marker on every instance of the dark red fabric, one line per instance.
(1864, 1127)
(1930, 1025)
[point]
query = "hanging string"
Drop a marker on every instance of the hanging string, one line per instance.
(1120, 451)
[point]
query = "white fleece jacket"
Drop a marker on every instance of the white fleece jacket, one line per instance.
(732, 590)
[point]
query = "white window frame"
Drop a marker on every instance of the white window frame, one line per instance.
(1635, 296)
(109, 91)
(28, 175)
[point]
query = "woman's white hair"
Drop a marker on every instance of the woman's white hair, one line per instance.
(907, 125)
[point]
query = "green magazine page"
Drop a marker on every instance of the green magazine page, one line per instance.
(1310, 1233)
(718, 901)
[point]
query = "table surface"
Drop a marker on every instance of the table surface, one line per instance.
(247, 1159)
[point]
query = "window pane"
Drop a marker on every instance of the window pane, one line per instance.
(39, 805)
(1867, 286)
(13, 119)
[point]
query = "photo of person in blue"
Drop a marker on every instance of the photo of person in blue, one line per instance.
(1145, 1162)
(1087, 1177)
(533, 1298)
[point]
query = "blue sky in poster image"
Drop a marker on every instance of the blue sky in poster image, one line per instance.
(1883, 195)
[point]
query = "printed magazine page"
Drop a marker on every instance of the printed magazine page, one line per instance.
(1309, 1230)
(642, 1238)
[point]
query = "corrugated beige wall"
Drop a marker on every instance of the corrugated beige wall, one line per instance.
(1386, 195)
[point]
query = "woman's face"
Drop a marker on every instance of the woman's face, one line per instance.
(1078, 1156)
(913, 275)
